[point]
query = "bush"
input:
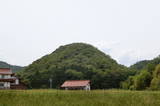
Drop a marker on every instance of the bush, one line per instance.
(143, 80)
(155, 84)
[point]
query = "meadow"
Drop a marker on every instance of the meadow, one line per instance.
(79, 98)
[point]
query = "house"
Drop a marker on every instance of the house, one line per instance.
(8, 80)
(76, 85)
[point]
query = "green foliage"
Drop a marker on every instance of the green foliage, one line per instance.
(140, 65)
(148, 79)
(138, 82)
(73, 62)
(73, 74)
(146, 65)
(157, 71)
(128, 84)
(155, 83)
(142, 81)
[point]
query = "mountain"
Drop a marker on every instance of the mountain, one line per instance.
(73, 62)
(13, 67)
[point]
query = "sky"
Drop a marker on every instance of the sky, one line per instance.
(127, 30)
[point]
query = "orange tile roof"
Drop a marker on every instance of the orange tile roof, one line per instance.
(5, 71)
(75, 83)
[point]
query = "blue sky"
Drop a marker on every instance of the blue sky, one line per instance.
(127, 30)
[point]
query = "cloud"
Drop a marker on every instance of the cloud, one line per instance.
(126, 56)
(133, 56)
(105, 46)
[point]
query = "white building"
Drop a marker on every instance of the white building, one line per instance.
(7, 80)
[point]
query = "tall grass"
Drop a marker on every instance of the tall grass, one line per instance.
(78, 98)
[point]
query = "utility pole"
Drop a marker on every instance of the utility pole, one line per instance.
(50, 81)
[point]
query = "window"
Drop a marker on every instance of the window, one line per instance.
(1, 85)
(3, 76)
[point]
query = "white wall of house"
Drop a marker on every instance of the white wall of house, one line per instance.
(87, 87)
(7, 85)
(17, 82)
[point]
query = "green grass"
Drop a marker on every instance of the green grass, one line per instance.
(79, 98)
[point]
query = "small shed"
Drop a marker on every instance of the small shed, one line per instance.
(76, 85)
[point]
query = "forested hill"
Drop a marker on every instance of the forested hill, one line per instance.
(72, 62)
(13, 67)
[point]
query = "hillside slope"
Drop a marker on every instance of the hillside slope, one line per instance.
(140, 65)
(73, 62)
(145, 64)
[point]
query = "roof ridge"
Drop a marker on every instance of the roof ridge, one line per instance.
(75, 83)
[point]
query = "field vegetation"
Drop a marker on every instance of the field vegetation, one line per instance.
(79, 98)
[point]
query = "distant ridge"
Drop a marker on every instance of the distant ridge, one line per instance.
(145, 63)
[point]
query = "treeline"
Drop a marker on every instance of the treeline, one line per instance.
(147, 76)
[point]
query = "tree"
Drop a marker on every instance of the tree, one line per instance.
(138, 82)
(157, 71)
(155, 83)
(142, 81)
(73, 74)
(128, 84)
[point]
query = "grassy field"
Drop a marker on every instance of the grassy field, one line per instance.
(79, 98)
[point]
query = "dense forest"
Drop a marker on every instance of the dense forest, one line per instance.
(75, 61)
(147, 76)
(13, 67)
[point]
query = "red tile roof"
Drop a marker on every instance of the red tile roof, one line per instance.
(75, 83)
(5, 71)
